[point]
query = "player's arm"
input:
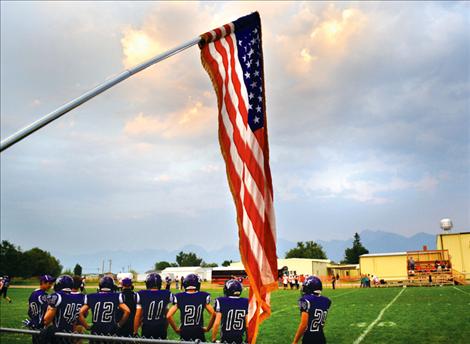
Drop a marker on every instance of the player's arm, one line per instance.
(137, 319)
(170, 319)
(215, 328)
(49, 316)
(302, 327)
(82, 316)
(211, 311)
(126, 312)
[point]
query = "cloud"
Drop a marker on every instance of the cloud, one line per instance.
(194, 120)
(138, 47)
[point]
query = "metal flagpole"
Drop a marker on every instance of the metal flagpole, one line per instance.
(21, 134)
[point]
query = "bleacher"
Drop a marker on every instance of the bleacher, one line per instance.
(431, 268)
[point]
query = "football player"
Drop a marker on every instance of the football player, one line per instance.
(152, 307)
(63, 308)
(38, 305)
(191, 304)
(231, 313)
(4, 289)
(129, 297)
(313, 310)
(104, 305)
(79, 299)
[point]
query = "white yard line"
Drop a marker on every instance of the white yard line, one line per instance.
(461, 290)
(349, 292)
(369, 328)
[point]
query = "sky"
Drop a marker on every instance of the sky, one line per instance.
(367, 105)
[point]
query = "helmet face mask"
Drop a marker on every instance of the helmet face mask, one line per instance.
(192, 282)
(153, 281)
(312, 285)
(233, 288)
(107, 284)
(63, 283)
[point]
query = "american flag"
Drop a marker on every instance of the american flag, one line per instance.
(233, 57)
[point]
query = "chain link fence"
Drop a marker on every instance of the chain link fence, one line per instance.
(45, 337)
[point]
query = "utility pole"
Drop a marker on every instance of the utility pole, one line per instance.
(102, 267)
(110, 261)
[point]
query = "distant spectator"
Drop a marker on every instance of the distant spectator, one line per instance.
(291, 282)
(177, 283)
(296, 281)
(436, 265)
(168, 282)
(337, 276)
(333, 281)
(285, 280)
(82, 285)
(411, 264)
(302, 280)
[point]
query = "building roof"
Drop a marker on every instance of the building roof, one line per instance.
(383, 254)
(343, 266)
(185, 268)
(456, 233)
(309, 259)
(228, 268)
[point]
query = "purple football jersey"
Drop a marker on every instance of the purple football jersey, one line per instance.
(154, 305)
(67, 309)
(317, 308)
(191, 306)
(37, 308)
(234, 310)
(103, 306)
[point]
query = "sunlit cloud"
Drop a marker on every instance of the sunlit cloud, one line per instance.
(193, 120)
(137, 46)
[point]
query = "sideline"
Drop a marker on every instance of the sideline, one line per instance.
(369, 328)
(461, 290)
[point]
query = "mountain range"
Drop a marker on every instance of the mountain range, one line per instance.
(143, 260)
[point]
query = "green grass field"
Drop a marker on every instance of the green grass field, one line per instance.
(418, 315)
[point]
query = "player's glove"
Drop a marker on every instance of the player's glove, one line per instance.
(28, 323)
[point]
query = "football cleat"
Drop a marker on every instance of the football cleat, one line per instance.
(192, 282)
(233, 288)
(153, 281)
(312, 285)
(63, 283)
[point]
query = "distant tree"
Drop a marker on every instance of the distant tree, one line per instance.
(39, 262)
(208, 265)
(11, 262)
(227, 262)
(159, 266)
(33, 262)
(77, 270)
(134, 274)
(188, 259)
(67, 272)
(309, 249)
(351, 255)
